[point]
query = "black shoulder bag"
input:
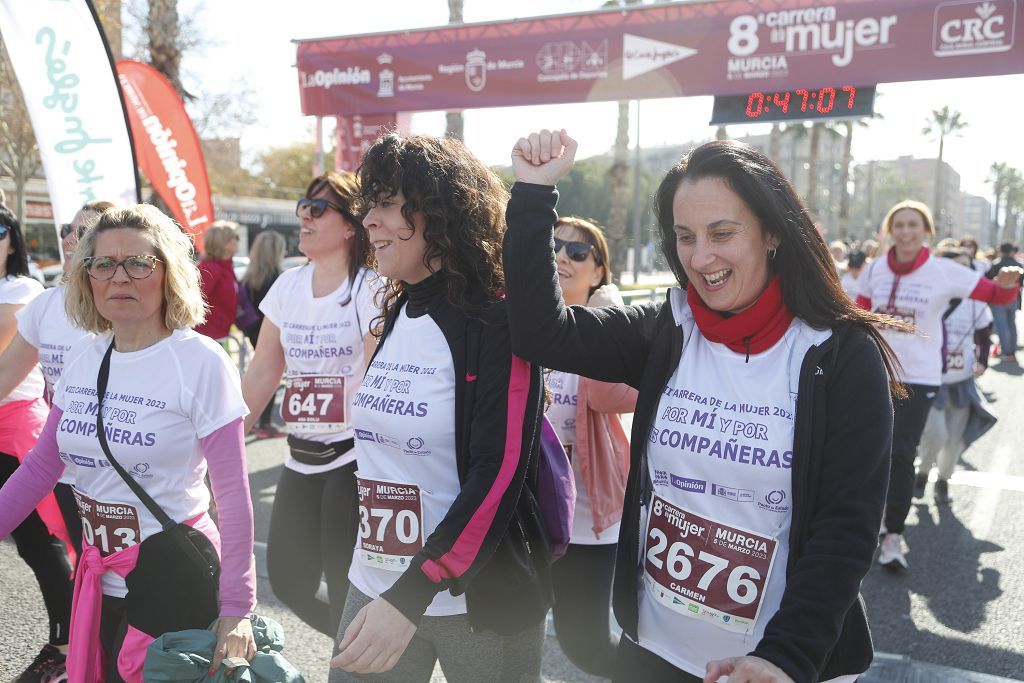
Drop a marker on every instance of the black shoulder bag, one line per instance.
(174, 585)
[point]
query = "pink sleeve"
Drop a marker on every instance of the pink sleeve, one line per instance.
(991, 293)
(225, 455)
(38, 474)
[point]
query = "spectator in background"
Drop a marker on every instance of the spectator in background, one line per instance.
(970, 244)
(1005, 317)
(855, 261)
(264, 268)
(870, 247)
(220, 288)
(838, 250)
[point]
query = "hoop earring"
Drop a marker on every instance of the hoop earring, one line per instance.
(772, 252)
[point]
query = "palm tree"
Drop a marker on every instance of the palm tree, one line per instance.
(1014, 204)
(812, 169)
(454, 122)
(774, 142)
(844, 173)
(942, 123)
(997, 175)
(163, 32)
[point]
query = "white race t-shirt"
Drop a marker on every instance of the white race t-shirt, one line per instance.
(921, 298)
(717, 527)
(44, 324)
(850, 286)
(323, 353)
(562, 415)
(160, 402)
(404, 418)
(960, 326)
(19, 291)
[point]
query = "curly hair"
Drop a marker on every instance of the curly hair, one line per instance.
(463, 204)
(183, 304)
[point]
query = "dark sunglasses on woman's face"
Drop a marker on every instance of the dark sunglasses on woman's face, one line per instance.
(316, 206)
(67, 228)
(3, 231)
(577, 251)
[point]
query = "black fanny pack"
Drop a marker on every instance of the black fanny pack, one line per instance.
(174, 585)
(316, 453)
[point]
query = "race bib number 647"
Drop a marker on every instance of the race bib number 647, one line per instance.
(317, 402)
(705, 569)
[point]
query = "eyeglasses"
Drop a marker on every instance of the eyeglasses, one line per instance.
(136, 267)
(317, 206)
(577, 251)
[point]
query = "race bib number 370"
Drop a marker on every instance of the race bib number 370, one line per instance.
(109, 527)
(390, 523)
(704, 569)
(316, 402)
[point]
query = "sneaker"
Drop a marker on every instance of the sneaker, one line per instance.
(48, 667)
(920, 481)
(890, 555)
(942, 496)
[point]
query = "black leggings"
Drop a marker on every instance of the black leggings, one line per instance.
(313, 529)
(69, 511)
(583, 589)
(113, 627)
(634, 663)
(45, 555)
(909, 419)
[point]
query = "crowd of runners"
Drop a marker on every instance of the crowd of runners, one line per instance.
(456, 364)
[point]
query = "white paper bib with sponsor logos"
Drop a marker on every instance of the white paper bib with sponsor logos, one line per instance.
(390, 523)
(404, 420)
(716, 527)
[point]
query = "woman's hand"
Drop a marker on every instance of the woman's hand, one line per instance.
(234, 639)
(375, 639)
(745, 670)
(543, 158)
(1009, 276)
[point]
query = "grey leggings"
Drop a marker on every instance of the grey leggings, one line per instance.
(465, 656)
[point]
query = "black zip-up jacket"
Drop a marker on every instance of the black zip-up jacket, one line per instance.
(842, 440)
(491, 544)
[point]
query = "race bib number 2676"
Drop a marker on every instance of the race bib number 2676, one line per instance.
(705, 569)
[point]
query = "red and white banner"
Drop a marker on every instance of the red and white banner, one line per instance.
(354, 135)
(727, 47)
(66, 74)
(167, 146)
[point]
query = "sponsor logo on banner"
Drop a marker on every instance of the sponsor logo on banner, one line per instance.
(733, 494)
(386, 76)
(774, 501)
(570, 61)
(641, 55)
(799, 32)
(970, 28)
(352, 75)
(661, 478)
(476, 70)
(691, 485)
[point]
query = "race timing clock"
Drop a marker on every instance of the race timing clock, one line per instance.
(801, 104)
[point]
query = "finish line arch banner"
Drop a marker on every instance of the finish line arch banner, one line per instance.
(66, 74)
(730, 47)
(167, 146)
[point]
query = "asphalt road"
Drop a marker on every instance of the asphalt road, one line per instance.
(961, 605)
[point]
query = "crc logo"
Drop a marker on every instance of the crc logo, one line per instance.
(969, 28)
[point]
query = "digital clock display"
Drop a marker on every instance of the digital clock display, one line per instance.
(829, 102)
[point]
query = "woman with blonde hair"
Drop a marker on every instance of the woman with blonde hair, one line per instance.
(149, 396)
(910, 285)
(264, 268)
(219, 286)
(586, 416)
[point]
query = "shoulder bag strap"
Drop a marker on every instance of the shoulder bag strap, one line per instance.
(101, 388)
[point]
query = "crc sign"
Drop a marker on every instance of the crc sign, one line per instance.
(974, 27)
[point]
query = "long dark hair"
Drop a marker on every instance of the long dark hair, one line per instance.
(342, 188)
(463, 203)
(17, 260)
(811, 288)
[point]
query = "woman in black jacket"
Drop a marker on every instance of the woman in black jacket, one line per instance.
(451, 564)
(760, 445)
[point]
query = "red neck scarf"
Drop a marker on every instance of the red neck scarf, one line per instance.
(753, 330)
(906, 267)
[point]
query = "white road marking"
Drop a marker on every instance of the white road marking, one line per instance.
(988, 498)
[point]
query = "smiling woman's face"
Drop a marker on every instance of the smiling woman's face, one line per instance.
(122, 299)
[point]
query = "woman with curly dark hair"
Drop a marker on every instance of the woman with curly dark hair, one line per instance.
(451, 564)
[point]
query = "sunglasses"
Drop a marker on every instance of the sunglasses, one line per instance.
(577, 251)
(66, 229)
(136, 267)
(3, 231)
(317, 206)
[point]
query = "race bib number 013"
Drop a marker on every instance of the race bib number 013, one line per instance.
(109, 527)
(316, 402)
(390, 523)
(704, 569)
